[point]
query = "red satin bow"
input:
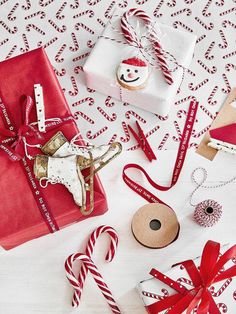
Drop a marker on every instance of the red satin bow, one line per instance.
(16, 149)
(209, 272)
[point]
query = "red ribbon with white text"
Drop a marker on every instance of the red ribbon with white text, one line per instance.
(182, 151)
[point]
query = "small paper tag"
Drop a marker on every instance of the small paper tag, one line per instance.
(227, 115)
(38, 93)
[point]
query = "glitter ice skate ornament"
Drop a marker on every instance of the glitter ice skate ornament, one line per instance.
(64, 162)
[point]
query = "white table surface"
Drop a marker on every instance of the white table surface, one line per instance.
(32, 276)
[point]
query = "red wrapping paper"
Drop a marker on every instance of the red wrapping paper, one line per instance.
(21, 219)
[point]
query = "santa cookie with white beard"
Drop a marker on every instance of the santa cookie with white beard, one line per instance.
(133, 73)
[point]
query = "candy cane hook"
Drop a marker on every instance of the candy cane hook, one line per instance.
(130, 38)
(96, 276)
(89, 251)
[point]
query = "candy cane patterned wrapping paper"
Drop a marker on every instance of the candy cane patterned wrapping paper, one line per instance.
(68, 31)
(223, 292)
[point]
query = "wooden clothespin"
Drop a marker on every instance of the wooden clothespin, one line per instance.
(143, 142)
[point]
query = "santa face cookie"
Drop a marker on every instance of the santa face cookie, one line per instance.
(132, 73)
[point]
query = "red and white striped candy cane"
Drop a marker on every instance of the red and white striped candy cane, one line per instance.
(89, 251)
(96, 275)
(130, 38)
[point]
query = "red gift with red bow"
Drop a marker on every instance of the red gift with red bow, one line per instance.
(28, 212)
(189, 288)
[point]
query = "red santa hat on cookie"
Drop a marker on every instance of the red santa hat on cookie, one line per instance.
(135, 62)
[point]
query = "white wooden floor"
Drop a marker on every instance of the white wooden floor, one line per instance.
(32, 277)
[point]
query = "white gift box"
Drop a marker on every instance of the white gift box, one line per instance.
(157, 96)
(223, 292)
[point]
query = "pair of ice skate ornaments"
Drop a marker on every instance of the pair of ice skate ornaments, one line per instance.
(64, 162)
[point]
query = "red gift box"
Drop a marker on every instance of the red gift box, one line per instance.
(21, 219)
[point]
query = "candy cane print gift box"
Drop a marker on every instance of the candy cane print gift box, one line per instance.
(182, 287)
(112, 55)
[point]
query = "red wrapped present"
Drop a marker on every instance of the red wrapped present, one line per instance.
(28, 211)
(200, 286)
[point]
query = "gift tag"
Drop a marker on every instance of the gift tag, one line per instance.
(38, 93)
(222, 125)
